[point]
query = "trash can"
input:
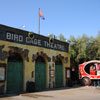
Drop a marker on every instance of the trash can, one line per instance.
(30, 86)
(69, 83)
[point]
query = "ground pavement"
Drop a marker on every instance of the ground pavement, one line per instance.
(75, 93)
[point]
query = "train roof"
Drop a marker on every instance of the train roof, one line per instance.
(91, 61)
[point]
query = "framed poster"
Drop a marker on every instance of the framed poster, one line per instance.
(2, 73)
(68, 73)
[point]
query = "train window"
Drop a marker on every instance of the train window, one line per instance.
(87, 68)
(90, 69)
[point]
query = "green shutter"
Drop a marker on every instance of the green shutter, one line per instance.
(40, 77)
(14, 77)
(58, 76)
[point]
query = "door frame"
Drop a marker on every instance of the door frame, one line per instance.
(46, 69)
(62, 70)
(23, 71)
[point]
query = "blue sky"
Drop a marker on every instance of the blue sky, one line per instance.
(69, 17)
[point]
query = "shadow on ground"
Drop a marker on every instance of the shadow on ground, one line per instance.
(29, 94)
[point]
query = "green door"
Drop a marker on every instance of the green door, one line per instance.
(58, 76)
(40, 77)
(14, 77)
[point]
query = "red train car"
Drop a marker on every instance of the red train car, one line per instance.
(89, 71)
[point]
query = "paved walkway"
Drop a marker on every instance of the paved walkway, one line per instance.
(77, 93)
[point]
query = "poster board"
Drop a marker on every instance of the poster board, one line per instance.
(2, 73)
(68, 73)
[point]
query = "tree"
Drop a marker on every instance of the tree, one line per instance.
(52, 35)
(61, 37)
(83, 49)
(81, 46)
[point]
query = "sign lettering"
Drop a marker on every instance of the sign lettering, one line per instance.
(36, 41)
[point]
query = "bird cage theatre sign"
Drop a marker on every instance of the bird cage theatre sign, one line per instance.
(36, 40)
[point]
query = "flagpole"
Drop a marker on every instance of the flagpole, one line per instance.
(39, 22)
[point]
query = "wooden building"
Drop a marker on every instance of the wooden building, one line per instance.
(27, 57)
